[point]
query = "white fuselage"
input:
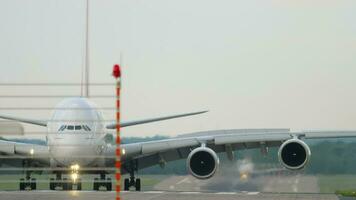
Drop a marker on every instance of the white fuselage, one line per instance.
(75, 133)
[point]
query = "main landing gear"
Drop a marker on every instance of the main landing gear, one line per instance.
(28, 183)
(132, 182)
(102, 182)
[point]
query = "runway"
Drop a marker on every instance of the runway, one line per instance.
(268, 184)
(160, 195)
(186, 187)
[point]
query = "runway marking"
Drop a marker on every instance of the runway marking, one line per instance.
(147, 192)
(226, 193)
(295, 188)
(252, 193)
(190, 192)
(295, 185)
(55, 191)
(182, 181)
(153, 192)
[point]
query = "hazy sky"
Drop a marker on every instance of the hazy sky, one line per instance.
(253, 64)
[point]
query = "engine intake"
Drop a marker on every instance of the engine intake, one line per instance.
(202, 162)
(294, 154)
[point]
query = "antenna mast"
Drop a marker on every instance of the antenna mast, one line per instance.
(86, 66)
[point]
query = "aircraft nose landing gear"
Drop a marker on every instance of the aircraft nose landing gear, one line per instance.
(65, 183)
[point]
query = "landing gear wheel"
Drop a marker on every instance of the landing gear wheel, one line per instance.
(65, 184)
(33, 184)
(132, 181)
(51, 184)
(96, 185)
(79, 184)
(22, 184)
(108, 184)
(138, 184)
(57, 183)
(69, 185)
(126, 184)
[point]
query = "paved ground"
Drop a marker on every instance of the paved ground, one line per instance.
(292, 184)
(279, 184)
(187, 187)
(158, 195)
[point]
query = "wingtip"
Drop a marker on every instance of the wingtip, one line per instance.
(204, 111)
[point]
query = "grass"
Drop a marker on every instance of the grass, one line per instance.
(11, 182)
(346, 193)
(343, 184)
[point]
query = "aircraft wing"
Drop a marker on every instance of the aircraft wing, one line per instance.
(11, 150)
(144, 121)
(109, 126)
(24, 120)
(147, 154)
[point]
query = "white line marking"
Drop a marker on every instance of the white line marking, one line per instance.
(182, 181)
(253, 193)
(226, 193)
(190, 192)
(153, 192)
(295, 188)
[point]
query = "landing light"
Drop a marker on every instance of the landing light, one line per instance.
(32, 151)
(243, 177)
(75, 167)
(74, 177)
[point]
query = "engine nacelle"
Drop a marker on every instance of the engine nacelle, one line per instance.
(202, 162)
(294, 154)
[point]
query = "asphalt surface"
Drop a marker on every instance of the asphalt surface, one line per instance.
(270, 184)
(187, 187)
(158, 195)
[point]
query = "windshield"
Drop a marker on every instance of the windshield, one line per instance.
(74, 128)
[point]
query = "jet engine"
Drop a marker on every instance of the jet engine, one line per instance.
(294, 154)
(202, 162)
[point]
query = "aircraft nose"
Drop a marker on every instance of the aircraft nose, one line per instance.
(66, 155)
(68, 150)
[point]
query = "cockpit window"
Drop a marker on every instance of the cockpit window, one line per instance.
(62, 128)
(87, 127)
(74, 127)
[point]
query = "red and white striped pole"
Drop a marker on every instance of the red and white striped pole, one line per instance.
(116, 72)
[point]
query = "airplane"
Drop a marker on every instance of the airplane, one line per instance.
(77, 143)
(76, 137)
